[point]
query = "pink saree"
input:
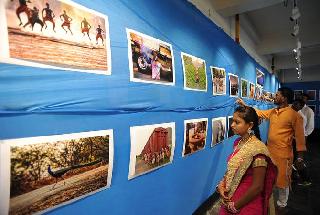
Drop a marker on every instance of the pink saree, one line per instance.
(239, 177)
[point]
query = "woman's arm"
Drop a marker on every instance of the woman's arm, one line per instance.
(255, 188)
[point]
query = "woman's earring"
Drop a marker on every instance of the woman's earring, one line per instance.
(250, 131)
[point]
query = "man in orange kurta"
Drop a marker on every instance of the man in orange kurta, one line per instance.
(285, 123)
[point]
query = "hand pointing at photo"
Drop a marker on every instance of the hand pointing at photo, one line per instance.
(241, 102)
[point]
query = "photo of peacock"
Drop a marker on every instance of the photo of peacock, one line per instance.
(60, 172)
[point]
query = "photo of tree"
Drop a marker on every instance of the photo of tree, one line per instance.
(59, 34)
(49, 171)
(152, 147)
(219, 126)
(244, 88)
(150, 59)
(252, 90)
(194, 70)
(234, 85)
(218, 76)
(195, 133)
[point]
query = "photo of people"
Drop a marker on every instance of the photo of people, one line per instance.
(298, 94)
(150, 59)
(312, 95)
(244, 88)
(252, 90)
(194, 70)
(218, 76)
(59, 34)
(230, 131)
(234, 85)
(219, 126)
(53, 170)
(258, 94)
(152, 147)
(195, 133)
(259, 78)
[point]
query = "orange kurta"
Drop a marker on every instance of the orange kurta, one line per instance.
(285, 123)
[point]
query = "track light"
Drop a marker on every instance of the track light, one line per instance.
(294, 50)
(295, 30)
(295, 14)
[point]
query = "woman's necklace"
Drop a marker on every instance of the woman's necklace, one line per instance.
(240, 144)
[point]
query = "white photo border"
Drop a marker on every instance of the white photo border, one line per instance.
(225, 81)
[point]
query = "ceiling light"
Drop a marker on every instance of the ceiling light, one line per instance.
(294, 50)
(295, 14)
(295, 30)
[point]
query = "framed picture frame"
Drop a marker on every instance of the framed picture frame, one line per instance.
(259, 78)
(251, 90)
(312, 95)
(219, 128)
(76, 33)
(194, 72)
(233, 85)
(244, 88)
(195, 135)
(60, 173)
(230, 132)
(219, 80)
(150, 60)
(298, 94)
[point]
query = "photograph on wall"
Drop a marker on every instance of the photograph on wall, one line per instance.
(259, 78)
(313, 107)
(244, 88)
(251, 90)
(312, 95)
(150, 59)
(230, 131)
(152, 147)
(219, 126)
(58, 34)
(219, 85)
(234, 85)
(194, 71)
(298, 94)
(47, 172)
(195, 133)
(258, 93)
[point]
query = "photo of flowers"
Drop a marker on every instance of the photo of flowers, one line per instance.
(152, 147)
(60, 34)
(150, 59)
(50, 171)
(234, 85)
(194, 70)
(244, 88)
(219, 127)
(219, 84)
(195, 133)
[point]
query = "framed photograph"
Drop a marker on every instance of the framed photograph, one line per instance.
(244, 88)
(42, 173)
(251, 90)
(258, 94)
(219, 84)
(65, 35)
(194, 71)
(312, 95)
(219, 127)
(195, 133)
(234, 85)
(298, 94)
(230, 131)
(150, 59)
(259, 78)
(152, 147)
(313, 107)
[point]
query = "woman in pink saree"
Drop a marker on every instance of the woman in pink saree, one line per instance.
(247, 184)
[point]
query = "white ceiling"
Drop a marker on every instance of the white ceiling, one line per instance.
(267, 24)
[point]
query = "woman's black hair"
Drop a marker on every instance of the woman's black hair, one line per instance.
(248, 114)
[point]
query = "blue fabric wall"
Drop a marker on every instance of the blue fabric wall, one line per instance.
(40, 102)
(305, 86)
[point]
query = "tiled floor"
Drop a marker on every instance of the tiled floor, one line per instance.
(302, 200)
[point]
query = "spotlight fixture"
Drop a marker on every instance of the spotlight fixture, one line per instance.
(294, 50)
(295, 29)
